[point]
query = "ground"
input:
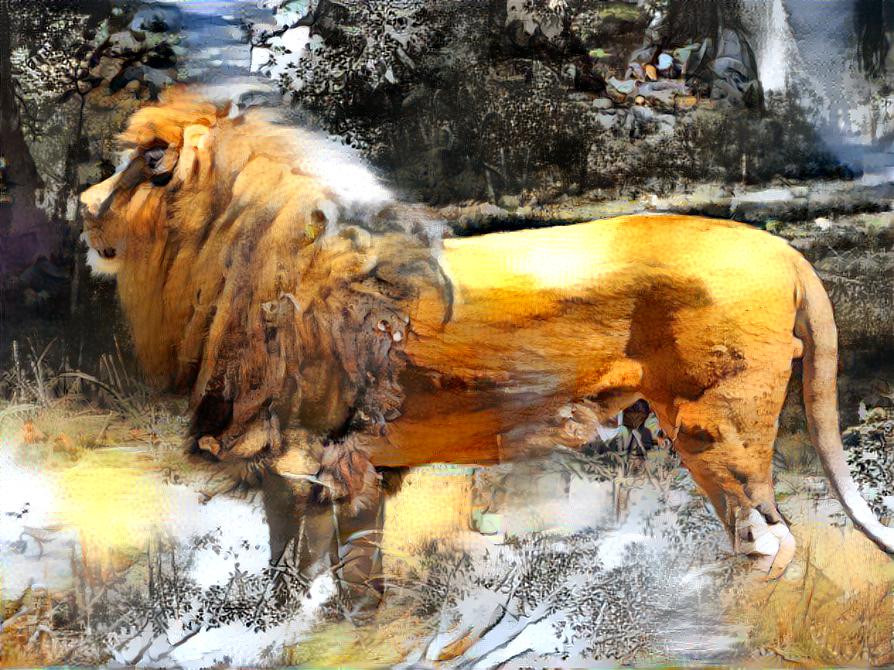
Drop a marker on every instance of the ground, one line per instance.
(116, 547)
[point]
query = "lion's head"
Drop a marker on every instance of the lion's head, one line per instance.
(256, 268)
(183, 159)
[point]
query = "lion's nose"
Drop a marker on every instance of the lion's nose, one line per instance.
(92, 200)
(96, 198)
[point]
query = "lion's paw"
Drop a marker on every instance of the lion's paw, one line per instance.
(772, 546)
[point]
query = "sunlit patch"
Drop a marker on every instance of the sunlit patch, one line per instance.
(341, 170)
(549, 258)
(113, 505)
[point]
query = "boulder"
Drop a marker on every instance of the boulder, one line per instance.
(663, 99)
(729, 69)
(607, 120)
(157, 18)
(126, 40)
(619, 90)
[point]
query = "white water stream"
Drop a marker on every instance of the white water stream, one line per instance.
(809, 50)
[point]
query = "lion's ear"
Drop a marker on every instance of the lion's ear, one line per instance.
(195, 156)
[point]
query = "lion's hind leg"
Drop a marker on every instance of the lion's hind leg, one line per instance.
(730, 458)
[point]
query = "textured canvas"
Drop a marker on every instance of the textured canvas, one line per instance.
(446, 333)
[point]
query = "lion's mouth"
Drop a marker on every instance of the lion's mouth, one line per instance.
(102, 260)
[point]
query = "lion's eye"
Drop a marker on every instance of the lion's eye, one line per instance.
(153, 157)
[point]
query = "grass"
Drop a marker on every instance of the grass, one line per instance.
(795, 455)
(383, 642)
(834, 606)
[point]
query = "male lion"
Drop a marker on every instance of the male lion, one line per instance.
(326, 335)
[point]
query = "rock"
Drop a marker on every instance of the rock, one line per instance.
(619, 90)
(643, 55)
(161, 58)
(579, 96)
(107, 68)
(509, 201)
(129, 77)
(125, 40)
(607, 120)
(644, 115)
(602, 103)
(771, 203)
(160, 78)
(157, 19)
(732, 72)
(665, 64)
(625, 86)
(651, 73)
(635, 71)
(666, 123)
(684, 103)
(688, 58)
(664, 99)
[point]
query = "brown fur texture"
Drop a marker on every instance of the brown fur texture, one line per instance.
(247, 285)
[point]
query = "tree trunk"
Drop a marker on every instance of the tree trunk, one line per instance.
(25, 232)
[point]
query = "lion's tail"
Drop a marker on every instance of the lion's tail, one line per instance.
(815, 326)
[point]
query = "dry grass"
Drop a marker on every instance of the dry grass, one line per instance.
(834, 606)
(382, 642)
(27, 638)
(795, 455)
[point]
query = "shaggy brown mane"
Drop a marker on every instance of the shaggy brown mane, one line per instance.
(266, 296)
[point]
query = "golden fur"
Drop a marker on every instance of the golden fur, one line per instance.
(279, 301)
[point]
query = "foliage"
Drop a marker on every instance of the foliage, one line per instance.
(870, 454)
(591, 611)
(483, 99)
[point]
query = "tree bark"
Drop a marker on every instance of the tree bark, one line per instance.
(25, 232)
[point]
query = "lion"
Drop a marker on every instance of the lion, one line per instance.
(329, 337)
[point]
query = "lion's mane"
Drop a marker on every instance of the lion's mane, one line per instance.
(277, 285)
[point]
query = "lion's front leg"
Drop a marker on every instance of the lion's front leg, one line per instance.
(302, 531)
(732, 463)
(326, 512)
(359, 555)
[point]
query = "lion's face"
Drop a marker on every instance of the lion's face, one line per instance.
(165, 152)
